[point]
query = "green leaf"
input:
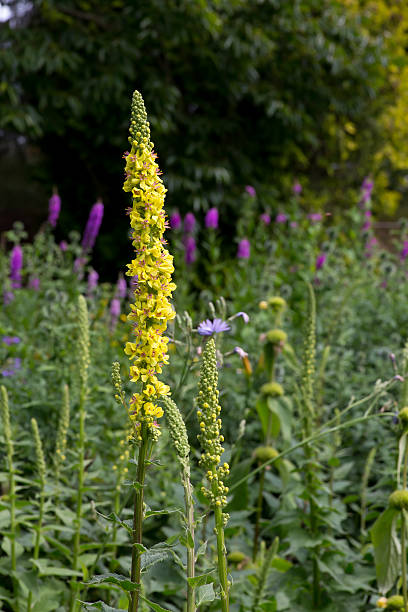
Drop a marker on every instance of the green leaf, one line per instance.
(387, 549)
(50, 570)
(263, 413)
(205, 594)
(121, 581)
(154, 606)
(197, 581)
(100, 605)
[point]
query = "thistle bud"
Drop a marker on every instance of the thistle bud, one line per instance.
(398, 499)
(276, 336)
(265, 453)
(272, 389)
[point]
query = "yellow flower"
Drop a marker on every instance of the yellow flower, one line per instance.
(151, 268)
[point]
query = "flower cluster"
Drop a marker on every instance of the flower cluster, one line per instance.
(151, 270)
(210, 425)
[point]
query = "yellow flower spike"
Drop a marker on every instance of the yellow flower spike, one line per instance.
(151, 269)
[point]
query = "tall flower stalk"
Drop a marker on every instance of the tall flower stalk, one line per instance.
(211, 442)
(83, 365)
(178, 434)
(40, 461)
(5, 414)
(151, 270)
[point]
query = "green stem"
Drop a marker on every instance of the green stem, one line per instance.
(12, 495)
(258, 515)
(37, 541)
(404, 560)
(75, 590)
(188, 496)
(138, 519)
(222, 559)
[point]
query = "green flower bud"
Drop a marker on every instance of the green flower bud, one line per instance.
(177, 428)
(276, 336)
(276, 303)
(399, 499)
(265, 453)
(83, 342)
(396, 602)
(236, 556)
(39, 452)
(403, 416)
(273, 389)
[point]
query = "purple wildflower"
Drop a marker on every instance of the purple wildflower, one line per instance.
(16, 263)
(293, 224)
(190, 250)
(175, 220)
(399, 377)
(54, 207)
(281, 218)
(366, 189)
(114, 312)
(404, 252)
(240, 314)
(9, 340)
(63, 245)
(93, 278)
(240, 352)
(92, 226)
(320, 260)
(34, 284)
(250, 190)
(208, 328)
(297, 188)
(244, 249)
(211, 218)
(315, 217)
(121, 288)
(189, 222)
(265, 218)
(8, 297)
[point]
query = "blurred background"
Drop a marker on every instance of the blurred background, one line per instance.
(238, 92)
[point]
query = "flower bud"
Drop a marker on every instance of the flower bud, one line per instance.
(276, 336)
(265, 453)
(273, 389)
(396, 602)
(399, 499)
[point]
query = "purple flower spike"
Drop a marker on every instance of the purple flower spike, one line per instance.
(211, 218)
(265, 218)
(8, 297)
(244, 249)
(250, 190)
(281, 218)
(16, 263)
(9, 340)
(404, 252)
(54, 207)
(189, 222)
(93, 278)
(208, 328)
(297, 188)
(92, 226)
(315, 217)
(63, 245)
(175, 221)
(34, 284)
(190, 252)
(115, 308)
(121, 288)
(320, 260)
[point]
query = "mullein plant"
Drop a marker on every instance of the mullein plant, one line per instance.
(269, 393)
(12, 491)
(178, 434)
(307, 409)
(390, 552)
(83, 361)
(41, 471)
(151, 271)
(211, 440)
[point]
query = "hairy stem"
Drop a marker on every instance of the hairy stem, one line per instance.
(222, 559)
(258, 515)
(75, 590)
(37, 541)
(404, 559)
(188, 497)
(138, 519)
